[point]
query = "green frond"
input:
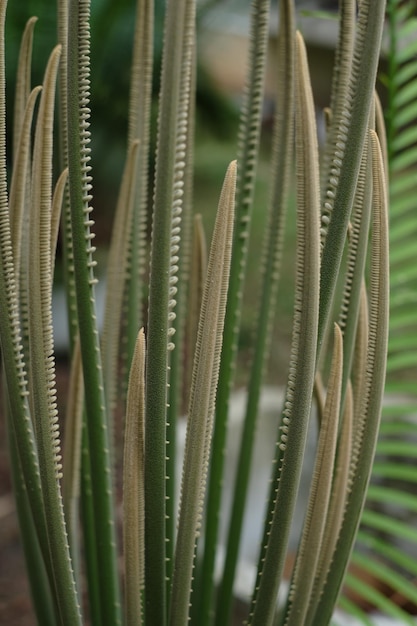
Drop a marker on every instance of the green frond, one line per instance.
(394, 471)
(377, 599)
(352, 608)
(392, 503)
(179, 259)
(339, 93)
(345, 163)
(391, 496)
(96, 437)
(355, 264)
(166, 190)
(139, 130)
(281, 169)
(248, 146)
(66, 229)
(388, 551)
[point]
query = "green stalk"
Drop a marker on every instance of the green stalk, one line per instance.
(67, 252)
(139, 130)
(79, 183)
(281, 169)
(355, 264)
(339, 91)
(181, 222)
(88, 528)
(349, 148)
(296, 413)
(157, 336)
(249, 135)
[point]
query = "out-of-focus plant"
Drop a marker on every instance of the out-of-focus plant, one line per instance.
(191, 315)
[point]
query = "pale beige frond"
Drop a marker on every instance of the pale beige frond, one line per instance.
(310, 546)
(117, 274)
(381, 132)
(195, 295)
(19, 185)
(340, 490)
(320, 396)
(361, 344)
(57, 201)
(23, 81)
(73, 426)
(203, 390)
(43, 390)
(71, 470)
(133, 486)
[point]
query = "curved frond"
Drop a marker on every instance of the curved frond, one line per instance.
(15, 371)
(23, 81)
(299, 393)
(370, 390)
(19, 201)
(311, 542)
(202, 400)
(42, 373)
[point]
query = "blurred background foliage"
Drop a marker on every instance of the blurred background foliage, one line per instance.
(112, 25)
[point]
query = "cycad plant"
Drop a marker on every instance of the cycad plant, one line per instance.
(172, 321)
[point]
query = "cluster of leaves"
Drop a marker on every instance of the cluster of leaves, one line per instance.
(342, 238)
